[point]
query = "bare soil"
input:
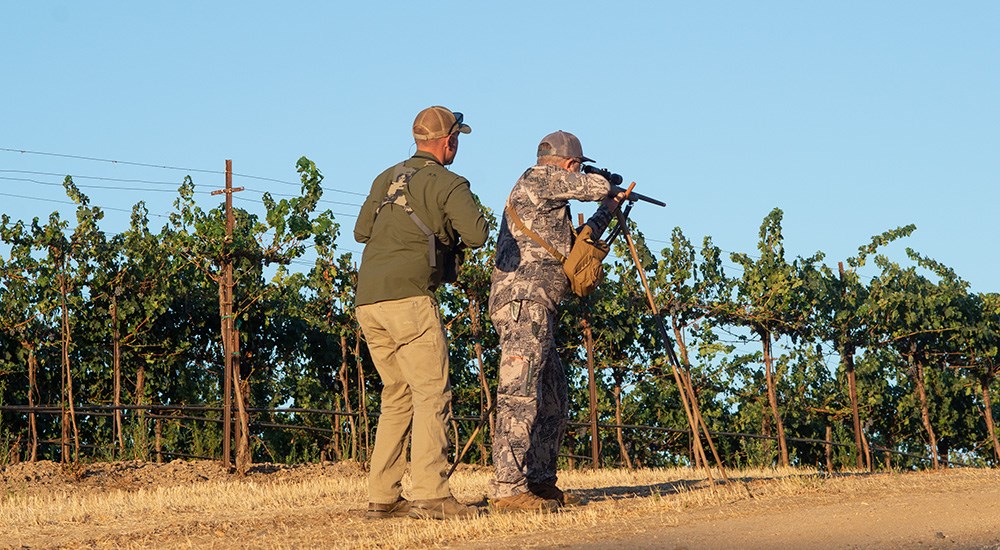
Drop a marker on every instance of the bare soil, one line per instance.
(944, 510)
(953, 509)
(32, 478)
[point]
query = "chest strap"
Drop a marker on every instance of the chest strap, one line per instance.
(396, 194)
(512, 215)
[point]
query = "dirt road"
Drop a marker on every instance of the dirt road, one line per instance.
(948, 510)
(199, 505)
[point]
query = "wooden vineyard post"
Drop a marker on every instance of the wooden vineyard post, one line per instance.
(342, 375)
(32, 389)
(226, 315)
(988, 414)
(362, 392)
(69, 409)
(852, 388)
(588, 336)
(595, 441)
(242, 390)
(117, 371)
(158, 441)
(829, 446)
(486, 397)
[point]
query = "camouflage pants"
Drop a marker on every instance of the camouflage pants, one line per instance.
(532, 400)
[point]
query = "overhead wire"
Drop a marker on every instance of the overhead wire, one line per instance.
(57, 201)
(154, 182)
(100, 178)
(244, 199)
(106, 187)
(164, 167)
(321, 201)
(139, 189)
(112, 161)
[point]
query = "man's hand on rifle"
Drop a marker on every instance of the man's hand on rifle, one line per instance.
(614, 199)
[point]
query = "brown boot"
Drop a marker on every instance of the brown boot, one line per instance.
(524, 502)
(398, 509)
(441, 508)
(549, 491)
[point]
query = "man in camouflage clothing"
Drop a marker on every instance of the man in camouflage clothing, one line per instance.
(528, 284)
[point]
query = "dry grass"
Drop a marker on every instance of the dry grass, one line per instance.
(328, 511)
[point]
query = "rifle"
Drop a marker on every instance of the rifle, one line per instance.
(616, 180)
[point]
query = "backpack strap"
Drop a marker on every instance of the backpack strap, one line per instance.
(512, 215)
(396, 194)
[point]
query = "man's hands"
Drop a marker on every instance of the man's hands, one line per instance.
(614, 199)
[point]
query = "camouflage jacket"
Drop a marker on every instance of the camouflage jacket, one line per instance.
(524, 270)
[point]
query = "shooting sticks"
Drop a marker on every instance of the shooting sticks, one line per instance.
(475, 432)
(683, 379)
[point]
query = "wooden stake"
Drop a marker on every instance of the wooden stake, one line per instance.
(158, 442)
(116, 360)
(226, 314)
(847, 356)
(829, 447)
(32, 389)
(595, 440)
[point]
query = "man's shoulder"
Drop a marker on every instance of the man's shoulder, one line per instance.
(389, 172)
(440, 175)
(544, 180)
(541, 175)
(536, 179)
(538, 172)
(412, 163)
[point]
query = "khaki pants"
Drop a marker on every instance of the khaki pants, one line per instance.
(407, 343)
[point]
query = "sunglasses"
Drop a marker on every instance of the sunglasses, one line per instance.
(459, 117)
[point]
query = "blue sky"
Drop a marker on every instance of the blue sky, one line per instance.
(852, 117)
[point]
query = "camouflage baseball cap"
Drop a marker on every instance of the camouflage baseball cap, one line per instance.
(437, 122)
(562, 144)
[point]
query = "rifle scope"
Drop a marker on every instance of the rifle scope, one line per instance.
(616, 181)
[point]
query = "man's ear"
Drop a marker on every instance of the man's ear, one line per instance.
(453, 141)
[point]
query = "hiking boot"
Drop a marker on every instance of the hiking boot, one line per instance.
(549, 491)
(398, 509)
(441, 508)
(524, 502)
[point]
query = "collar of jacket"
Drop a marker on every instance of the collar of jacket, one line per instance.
(427, 156)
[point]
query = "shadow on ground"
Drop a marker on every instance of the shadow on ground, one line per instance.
(599, 494)
(621, 492)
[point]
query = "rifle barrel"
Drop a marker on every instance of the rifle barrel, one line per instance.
(633, 196)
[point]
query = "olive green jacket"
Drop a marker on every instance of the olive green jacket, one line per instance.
(395, 262)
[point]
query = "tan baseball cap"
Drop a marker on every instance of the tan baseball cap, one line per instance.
(437, 122)
(562, 144)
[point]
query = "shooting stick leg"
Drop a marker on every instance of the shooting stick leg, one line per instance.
(475, 432)
(684, 384)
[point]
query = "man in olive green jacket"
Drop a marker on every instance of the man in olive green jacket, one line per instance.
(415, 212)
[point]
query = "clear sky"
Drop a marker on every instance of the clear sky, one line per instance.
(853, 117)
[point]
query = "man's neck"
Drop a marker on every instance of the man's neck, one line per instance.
(438, 155)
